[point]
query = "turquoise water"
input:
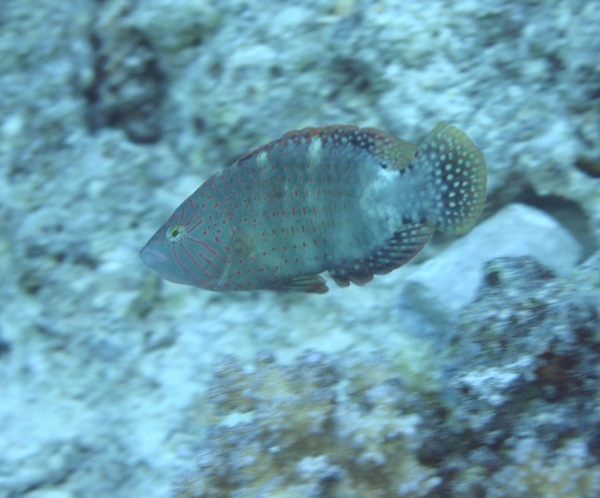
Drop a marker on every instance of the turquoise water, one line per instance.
(451, 376)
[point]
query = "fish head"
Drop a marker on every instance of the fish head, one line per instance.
(181, 252)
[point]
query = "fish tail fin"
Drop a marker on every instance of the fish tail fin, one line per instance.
(454, 170)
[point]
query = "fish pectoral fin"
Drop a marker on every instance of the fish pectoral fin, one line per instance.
(304, 283)
(396, 251)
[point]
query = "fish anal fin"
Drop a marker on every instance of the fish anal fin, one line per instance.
(303, 283)
(323, 131)
(398, 250)
(340, 280)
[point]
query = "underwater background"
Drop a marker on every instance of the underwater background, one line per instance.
(473, 371)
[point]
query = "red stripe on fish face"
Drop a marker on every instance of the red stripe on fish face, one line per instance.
(194, 215)
(204, 244)
(209, 262)
(186, 250)
(189, 274)
(196, 225)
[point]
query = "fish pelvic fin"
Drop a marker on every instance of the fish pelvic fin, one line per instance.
(453, 169)
(303, 283)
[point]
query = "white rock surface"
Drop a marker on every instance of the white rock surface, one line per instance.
(440, 287)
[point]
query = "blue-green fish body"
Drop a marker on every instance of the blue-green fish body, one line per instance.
(348, 200)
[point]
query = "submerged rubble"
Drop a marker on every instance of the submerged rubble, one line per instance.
(515, 415)
(316, 429)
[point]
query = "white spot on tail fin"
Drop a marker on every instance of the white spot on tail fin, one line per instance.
(449, 161)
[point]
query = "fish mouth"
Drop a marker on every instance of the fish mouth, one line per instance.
(170, 267)
(162, 264)
(152, 258)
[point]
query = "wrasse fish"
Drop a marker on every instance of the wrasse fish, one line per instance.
(351, 201)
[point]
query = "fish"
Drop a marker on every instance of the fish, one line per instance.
(355, 202)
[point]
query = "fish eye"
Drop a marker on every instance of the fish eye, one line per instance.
(175, 233)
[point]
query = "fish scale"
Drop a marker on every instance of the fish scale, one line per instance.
(354, 202)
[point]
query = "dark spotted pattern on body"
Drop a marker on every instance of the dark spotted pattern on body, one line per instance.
(354, 202)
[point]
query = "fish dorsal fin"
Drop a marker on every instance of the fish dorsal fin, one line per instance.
(392, 152)
(398, 250)
(332, 133)
(302, 283)
(323, 131)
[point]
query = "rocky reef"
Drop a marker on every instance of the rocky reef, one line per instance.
(114, 111)
(319, 427)
(515, 413)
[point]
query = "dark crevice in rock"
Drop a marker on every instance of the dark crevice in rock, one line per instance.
(129, 85)
(567, 213)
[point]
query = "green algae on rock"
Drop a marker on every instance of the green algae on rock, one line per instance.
(310, 432)
(515, 415)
